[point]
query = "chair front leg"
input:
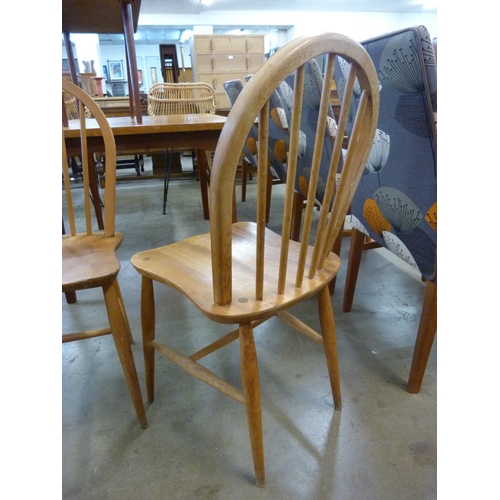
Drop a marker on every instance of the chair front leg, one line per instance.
(251, 391)
(124, 312)
(120, 336)
(148, 334)
(327, 323)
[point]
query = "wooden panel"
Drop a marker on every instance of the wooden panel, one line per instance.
(118, 106)
(229, 45)
(96, 16)
(229, 63)
(216, 80)
(219, 58)
(255, 45)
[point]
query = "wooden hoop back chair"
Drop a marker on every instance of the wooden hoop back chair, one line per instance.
(244, 273)
(178, 99)
(88, 254)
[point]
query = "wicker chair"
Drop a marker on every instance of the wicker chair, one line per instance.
(71, 105)
(181, 99)
(178, 99)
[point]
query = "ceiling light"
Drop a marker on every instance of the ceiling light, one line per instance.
(202, 5)
(186, 35)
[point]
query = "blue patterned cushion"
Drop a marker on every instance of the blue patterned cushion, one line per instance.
(280, 117)
(396, 201)
(313, 83)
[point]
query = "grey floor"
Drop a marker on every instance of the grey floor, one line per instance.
(381, 445)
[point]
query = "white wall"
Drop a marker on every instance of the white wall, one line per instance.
(357, 25)
(360, 25)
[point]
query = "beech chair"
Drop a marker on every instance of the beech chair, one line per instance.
(244, 273)
(395, 205)
(88, 254)
(178, 99)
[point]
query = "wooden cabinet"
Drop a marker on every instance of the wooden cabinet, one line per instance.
(218, 58)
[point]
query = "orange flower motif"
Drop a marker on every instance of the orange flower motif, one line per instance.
(252, 145)
(303, 185)
(374, 217)
(280, 151)
(432, 217)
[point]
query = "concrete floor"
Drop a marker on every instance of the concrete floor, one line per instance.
(382, 445)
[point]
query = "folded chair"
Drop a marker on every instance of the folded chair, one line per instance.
(249, 153)
(244, 273)
(395, 205)
(88, 254)
(277, 153)
(313, 85)
(280, 109)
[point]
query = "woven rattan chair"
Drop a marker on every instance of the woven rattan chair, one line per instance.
(71, 105)
(178, 99)
(244, 273)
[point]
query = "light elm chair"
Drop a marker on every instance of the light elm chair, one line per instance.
(244, 273)
(88, 253)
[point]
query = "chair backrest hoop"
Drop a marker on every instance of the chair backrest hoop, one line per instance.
(242, 116)
(87, 106)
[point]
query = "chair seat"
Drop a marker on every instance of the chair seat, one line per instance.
(89, 261)
(185, 266)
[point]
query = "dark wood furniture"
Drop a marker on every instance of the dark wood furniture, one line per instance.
(88, 256)
(156, 133)
(107, 17)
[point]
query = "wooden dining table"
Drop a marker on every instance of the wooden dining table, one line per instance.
(156, 133)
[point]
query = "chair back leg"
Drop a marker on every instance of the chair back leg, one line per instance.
(355, 251)
(425, 338)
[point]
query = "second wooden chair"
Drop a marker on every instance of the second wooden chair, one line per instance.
(244, 273)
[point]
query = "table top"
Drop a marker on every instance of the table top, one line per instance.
(96, 16)
(125, 125)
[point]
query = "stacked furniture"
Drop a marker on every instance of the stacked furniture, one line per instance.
(216, 59)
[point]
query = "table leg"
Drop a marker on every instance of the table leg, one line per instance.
(94, 190)
(202, 172)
